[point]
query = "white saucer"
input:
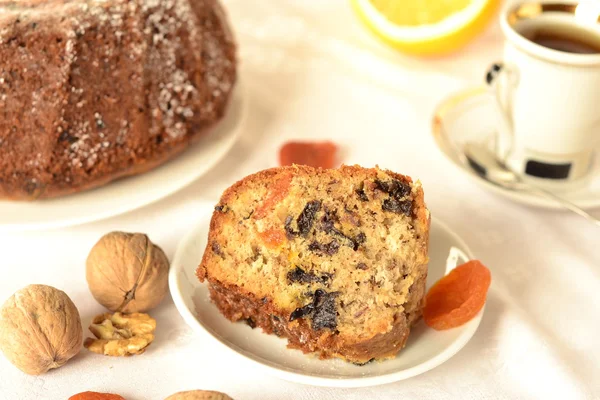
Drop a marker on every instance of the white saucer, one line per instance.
(130, 193)
(426, 348)
(469, 116)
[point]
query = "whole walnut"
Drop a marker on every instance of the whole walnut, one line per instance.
(96, 396)
(40, 329)
(126, 272)
(199, 395)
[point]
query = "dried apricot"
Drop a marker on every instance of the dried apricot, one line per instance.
(278, 192)
(314, 154)
(272, 237)
(96, 396)
(457, 297)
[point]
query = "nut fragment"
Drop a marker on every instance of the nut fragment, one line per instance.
(126, 272)
(121, 334)
(199, 395)
(40, 329)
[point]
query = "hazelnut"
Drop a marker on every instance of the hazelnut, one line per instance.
(126, 272)
(199, 395)
(40, 329)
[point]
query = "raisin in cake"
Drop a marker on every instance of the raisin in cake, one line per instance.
(334, 260)
(94, 90)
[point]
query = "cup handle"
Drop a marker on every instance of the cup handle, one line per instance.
(500, 82)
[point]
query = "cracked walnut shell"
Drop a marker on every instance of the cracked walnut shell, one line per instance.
(126, 272)
(121, 334)
(199, 395)
(40, 329)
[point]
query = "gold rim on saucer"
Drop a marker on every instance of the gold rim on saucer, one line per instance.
(531, 10)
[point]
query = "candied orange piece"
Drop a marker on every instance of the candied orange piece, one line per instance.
(278, 191)
(96, 396)
(457, 297)
(314, 154)
(272, 237)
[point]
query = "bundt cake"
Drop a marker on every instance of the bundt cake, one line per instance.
(94, 90)
(334, 260)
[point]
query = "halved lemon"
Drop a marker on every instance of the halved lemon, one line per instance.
(426, 27)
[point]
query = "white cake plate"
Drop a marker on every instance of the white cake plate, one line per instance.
(133, 192)
(426, 348)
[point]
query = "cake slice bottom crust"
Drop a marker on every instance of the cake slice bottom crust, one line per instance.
(259, 313)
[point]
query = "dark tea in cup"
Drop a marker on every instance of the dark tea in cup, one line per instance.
(565, 38)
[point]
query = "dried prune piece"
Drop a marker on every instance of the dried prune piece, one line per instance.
(325, 248)
(328, 221)
(380, 185)
(289, 230)
(302, 312)
(363, 363)
(216, 248)
(325, 314)
(362, 196)
(301, 276)
(315, 246)
(358, 240)
(221, 208)
(397, 206)
(307, 216)
(394, 188)
(314, 154)
(322, 308)
(328, 226)
(457, 297)
(362, 266)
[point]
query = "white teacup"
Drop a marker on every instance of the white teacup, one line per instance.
(549, 100)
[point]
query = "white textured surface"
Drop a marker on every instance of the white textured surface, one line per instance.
(314, 72)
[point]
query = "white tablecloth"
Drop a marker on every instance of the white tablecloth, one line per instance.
(312, 71)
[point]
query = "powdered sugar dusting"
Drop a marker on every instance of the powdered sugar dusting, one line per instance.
(177, 95)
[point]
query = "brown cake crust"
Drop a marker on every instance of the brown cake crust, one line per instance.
(240, 304)
(94, 91)
(236, 305)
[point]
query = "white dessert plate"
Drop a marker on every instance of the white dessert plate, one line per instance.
(426, 348)
(133, 192)
(469, 116)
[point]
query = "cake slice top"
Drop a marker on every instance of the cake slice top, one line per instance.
(340, 248)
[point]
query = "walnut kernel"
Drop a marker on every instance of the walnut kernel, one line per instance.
(121, 334)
